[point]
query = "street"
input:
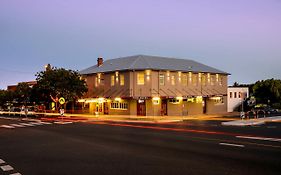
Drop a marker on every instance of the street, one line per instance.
(32, 147)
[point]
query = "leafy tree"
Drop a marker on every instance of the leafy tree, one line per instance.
(23, 92)
(267, 91)
(6, 96)
(59, 82)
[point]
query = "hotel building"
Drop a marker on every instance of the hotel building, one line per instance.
(154, 86)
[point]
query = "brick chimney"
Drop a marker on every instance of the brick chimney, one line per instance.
(99, 61)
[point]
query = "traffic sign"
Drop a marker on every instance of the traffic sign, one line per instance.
(61, 100)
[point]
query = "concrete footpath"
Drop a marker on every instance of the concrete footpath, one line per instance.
(250, 122)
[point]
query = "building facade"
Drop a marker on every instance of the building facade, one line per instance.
(150, 85)
(235, 97)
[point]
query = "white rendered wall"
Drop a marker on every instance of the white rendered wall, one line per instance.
(233, 102)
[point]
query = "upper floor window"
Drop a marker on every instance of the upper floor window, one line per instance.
(235, 94)
(122, 80)
(173, 80)
(112, 80)
(203, 79)
(140, 78)
(162, 79)
(220, 80)
(184, 79)
(194, 79)
(212, 80)
(230, 94)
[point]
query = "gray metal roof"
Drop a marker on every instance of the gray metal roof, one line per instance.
(144, 62)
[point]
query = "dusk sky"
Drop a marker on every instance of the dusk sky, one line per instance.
(242, 37)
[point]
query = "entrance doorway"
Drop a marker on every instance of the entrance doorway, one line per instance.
(99, 109)
(164, 107)
(141, 109)
(105, 108)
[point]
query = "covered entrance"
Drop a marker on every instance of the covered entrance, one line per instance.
(141, 109)
(164, 107)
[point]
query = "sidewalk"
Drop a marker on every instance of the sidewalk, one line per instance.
(250, 122)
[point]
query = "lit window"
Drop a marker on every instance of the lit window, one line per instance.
(122, 80)
(194, 79)
(220, 80)
(162, 79)
(212, 80)
(184, 79)
(119, 106)
(190, 77)
(140, 78)
(112, 80)
(208, 77)
(203, 80)
(173, 80)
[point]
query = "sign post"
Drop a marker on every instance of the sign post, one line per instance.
(61, 101)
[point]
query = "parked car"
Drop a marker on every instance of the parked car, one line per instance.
(266, 109)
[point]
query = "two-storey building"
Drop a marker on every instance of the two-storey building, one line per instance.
(152, 85)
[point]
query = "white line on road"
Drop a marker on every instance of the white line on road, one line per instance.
(46, 123)
(2, 161)
(36, 123)
(7, 126)
(26, 124)
(231, 144)
(16, 174)
(260, 138)
(62, 123)
(6, 168)
(17, 125)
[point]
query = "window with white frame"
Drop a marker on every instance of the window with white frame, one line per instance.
(140, 78)
(119, 105)
(122, 80)
(161, 79)
(112, 80)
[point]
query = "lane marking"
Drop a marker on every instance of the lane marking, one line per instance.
(7, 126)
(271, 127)
(46, 123)
(2, 161)
(17, 125)
(16, 174)
(6, 168)
(36, 123)
(260, 138)
(62, 123)
(27, 124)
(231, 144)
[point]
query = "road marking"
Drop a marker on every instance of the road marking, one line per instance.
(16, 174)
(231, 144)
(46, 123)
(7, 126)
(6, 168)
(62, 123)
(27, 124)
(17, 125)
(36, 123)
(2, 161)
(260, 138)
(271, 127)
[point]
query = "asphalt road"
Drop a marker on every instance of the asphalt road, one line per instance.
(190, 147)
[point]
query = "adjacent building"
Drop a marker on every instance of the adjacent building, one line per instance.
(153, 85)
(235, 97)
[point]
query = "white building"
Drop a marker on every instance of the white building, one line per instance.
(235, 96)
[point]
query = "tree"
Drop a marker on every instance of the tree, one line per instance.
(267, 91)
(6, 96)
(23, 92)
(59, 82)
